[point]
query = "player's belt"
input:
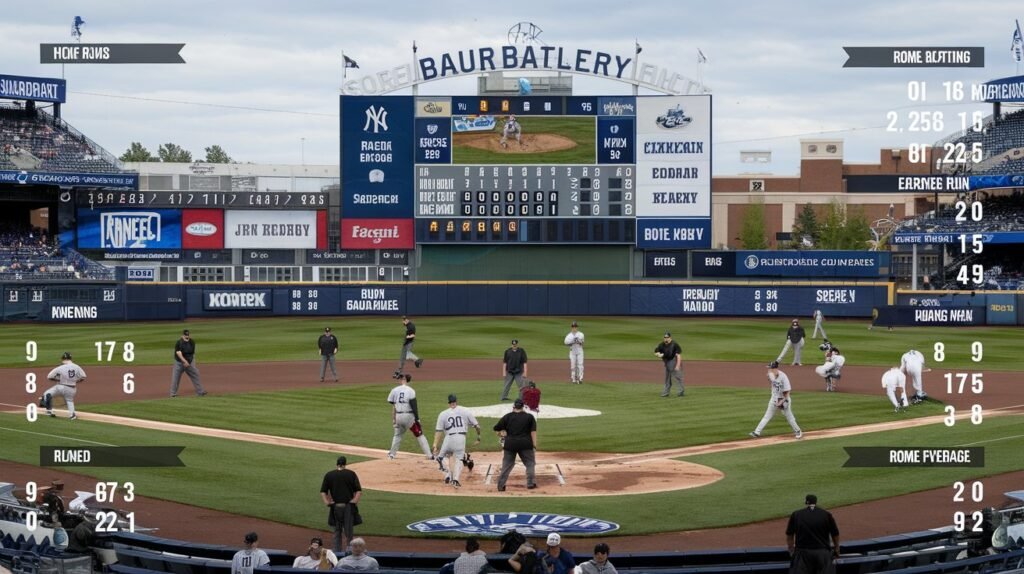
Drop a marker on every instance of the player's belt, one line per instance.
(455, 433)
(73, 386)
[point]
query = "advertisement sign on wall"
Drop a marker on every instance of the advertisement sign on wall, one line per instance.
(377, 234)
(135, 229)
(244, 229)
(202, 228)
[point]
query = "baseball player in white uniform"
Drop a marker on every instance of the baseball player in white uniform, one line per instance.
(819, 318)
(452, 425)
(574, 340)
(67, 376)
(831, 371)
(780, 401)
(912, 364)
(404, 416)
(895, 379)
(512, 128)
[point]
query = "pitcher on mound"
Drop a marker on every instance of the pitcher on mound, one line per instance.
(512, 128)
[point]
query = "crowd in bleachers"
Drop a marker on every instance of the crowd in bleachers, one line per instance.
(29, 253)
(32, 139)
(1002, 212)
(1002, 144)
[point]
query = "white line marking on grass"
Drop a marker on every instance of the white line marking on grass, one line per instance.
(992, 440)
(62, 437)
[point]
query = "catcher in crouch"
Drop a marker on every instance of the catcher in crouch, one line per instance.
(405, 416)
(512, 127)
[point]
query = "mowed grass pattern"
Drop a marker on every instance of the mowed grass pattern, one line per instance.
(581, 130)
(622, 338)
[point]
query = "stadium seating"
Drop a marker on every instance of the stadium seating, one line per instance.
(36, 140)
(27, 254)
(1004, 137)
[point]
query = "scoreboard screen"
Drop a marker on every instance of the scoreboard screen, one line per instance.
(535, 169)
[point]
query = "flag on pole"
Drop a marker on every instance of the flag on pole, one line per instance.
(349, 62)
(638, 48)
(76, 28)
(1017, 46)
(701, 59)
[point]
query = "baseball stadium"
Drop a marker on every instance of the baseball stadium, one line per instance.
(531, 317)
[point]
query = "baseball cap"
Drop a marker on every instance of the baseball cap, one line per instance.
(452, 399)
(251, 537)
(185, 332)
(554, 539)
(773, 365)
(327, 329)
(667, 334)
(66, 356)
(515, 341)
(408, 378)
(574, 324)
(811, 499)
(342, 461)
(518, 404)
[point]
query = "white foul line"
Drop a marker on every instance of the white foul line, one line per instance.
(57, 436)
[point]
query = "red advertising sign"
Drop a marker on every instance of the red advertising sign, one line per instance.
(377, 234)
(202, 229)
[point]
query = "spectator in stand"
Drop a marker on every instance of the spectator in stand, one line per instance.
(359, 560)
(556, 560)
(316, 557)
(473, 560)
(599, 564)
(249, 558)
(524, 561)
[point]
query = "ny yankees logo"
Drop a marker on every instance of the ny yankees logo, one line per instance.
(379, 118)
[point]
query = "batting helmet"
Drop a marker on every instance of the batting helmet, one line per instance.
(66, 356)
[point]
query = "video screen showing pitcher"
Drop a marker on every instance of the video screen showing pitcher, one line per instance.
(512, 128)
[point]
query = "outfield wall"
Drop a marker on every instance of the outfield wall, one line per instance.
(112, 301)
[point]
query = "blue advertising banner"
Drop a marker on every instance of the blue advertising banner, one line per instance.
(786, 301)
(238, 300)
(135, 229)
(665, 264)
(713, 264)
(29, 88)
(1002, 90)
(434, 140)
(107, 180)
(673, 233)
(812, 263)
(901, 315)
(377, 157)
(616, 106)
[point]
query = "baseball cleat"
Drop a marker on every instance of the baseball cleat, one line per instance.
(664, 394)
(73, 418)
(755, 434)
(391, 456)
(799, 435)
(681, 394)
(531, 486)
(447, 480)
(456, 484)
(50, 414)
(440, 464)
(418, 363)
(501, 489)
(202, 394)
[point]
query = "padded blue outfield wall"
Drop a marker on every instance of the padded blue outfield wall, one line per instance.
(154, 301)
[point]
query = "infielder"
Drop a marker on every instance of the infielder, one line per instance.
(794, 338)
(67, 375)
(408, 342)
(405, 416)
(512, 127)
(818, 327)
(895, 379)
(574, 340)
(831, 371)
(912, 364)
(452, 424)
(780, 401)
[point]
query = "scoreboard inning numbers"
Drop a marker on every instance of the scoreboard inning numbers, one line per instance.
(538, 169)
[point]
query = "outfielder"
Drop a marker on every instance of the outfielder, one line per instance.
(452, 425)
(780, 401)
(67, 375)
(831, 371)
(512, 127)
(818, 320)
(574, 340)
(408, 342)
(405, 416)
(912, 364)
(895, 379)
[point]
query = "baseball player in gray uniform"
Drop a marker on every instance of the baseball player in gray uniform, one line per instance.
(780, 401)
(67, 376)
(818, 327)
(912, 363)
(452, 425)
(574, 340)
(404, 416)
(895, 379)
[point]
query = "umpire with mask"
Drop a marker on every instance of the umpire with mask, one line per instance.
(807, 537)
(519, 428)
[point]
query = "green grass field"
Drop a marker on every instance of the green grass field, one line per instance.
(624, 338)
(581, 130)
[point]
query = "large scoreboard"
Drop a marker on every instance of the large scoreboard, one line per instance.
(528, 169)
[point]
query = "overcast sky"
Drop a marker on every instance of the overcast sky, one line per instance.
(775, 68)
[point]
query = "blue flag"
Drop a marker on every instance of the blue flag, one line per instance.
(350, 63)
(1017, 46)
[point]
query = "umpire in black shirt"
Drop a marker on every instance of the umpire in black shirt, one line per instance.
(185, 362)
(513, 367)
(672, 354)
(520, 432)
(328, 345)
(807, 537)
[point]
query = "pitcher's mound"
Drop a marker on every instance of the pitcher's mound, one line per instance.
(557, 474)
(532, 143)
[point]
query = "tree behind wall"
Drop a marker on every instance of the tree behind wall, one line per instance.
(137, 152)
(806, 225)
(173, 153)
(216, 154)
(753, 235)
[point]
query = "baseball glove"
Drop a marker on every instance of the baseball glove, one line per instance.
(468, 462)
(417, 430)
